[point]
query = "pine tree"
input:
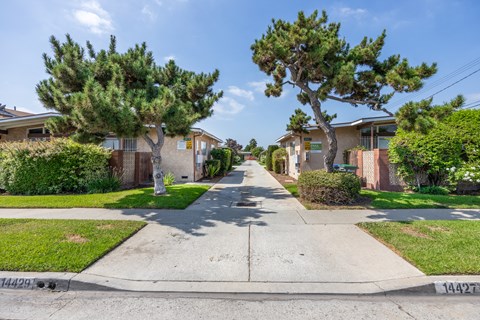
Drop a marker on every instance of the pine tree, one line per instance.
(123, 93)
(313, 57)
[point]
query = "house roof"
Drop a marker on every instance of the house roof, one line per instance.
(10, 113)
(203, 132)
(26, 120)
(312, 127)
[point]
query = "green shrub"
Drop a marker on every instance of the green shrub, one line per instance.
(225, 157)
(279, 157)
(334, 188)
(213, 167)
(434, 190)
(268, 158)
(169, 179)
(103, 182)
(229, 156)
(57, 166)
(237, 160)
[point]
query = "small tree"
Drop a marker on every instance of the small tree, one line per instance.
(312, 56)
(256, 151)
(124, 93)
(251, 145)
(233, 144)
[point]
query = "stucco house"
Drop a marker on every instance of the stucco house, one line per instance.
(183, 156)
(306, 151)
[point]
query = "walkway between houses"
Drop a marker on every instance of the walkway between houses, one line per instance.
(276, 246)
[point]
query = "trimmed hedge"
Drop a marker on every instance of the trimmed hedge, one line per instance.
(268, 158)
(279, 157)
(57, 166)
(334, 188)
(225, 157)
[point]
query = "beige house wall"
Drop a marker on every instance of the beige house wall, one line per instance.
(347, 137)
(18, 134)
(182, 163)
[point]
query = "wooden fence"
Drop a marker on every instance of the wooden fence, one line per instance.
(136, 167)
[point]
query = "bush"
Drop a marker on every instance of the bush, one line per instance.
(434, 190)
(229, 156)
(104, 182)
(169, 179)
(334, 188)
(268, 157)
(225, 157)
(279, 157)
(213, 167)
(237, 160)
(57, 166)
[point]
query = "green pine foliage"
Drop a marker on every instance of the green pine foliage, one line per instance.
(312, 55)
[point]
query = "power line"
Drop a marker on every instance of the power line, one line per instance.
(467, 76)
(437, 83)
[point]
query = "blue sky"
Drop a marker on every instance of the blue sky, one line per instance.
(202, 35)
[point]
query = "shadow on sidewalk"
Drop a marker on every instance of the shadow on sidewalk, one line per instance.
(219, 209)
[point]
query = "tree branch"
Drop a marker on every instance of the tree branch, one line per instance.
(148, 140)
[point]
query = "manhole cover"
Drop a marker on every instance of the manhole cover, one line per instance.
(246, 204)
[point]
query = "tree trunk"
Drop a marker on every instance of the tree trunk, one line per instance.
(159, 186)
(329, 131)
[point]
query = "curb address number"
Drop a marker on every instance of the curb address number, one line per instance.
(17, 283)
(447, 287)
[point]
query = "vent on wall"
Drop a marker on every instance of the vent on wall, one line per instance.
(184, 177)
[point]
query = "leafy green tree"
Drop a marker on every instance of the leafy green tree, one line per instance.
(432, 139)
(256, 151)
(251, 145)
(310, 54)
(123, 93)
(233, 144)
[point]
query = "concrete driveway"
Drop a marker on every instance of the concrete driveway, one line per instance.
(215, 240)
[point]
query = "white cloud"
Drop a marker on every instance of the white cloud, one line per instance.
(94, 17)
(258, 86)
(236, 91)
(228, 106)
(351, 12)
(168, 58)
(147, 10)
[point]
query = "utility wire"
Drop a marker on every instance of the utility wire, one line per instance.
(438, 82)
(449, 86)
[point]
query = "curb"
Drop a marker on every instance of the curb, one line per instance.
(431, 286)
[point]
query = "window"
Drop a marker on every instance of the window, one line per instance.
(130, 144)
(41, 133)
(203, 146)
(292, 148)
(383, 142)
(111, 143)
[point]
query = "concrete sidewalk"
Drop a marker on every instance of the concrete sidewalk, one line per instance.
(276, 246)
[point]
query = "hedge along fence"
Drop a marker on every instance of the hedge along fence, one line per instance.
(279, 160)
(329, 188)
(268, 158)
(225, 157)
(57, 166)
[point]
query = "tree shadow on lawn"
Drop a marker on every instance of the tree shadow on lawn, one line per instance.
(194, 222)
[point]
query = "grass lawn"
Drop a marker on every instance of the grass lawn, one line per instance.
(59, 245)
(400, 200)
(178, 197)
(435, 247)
